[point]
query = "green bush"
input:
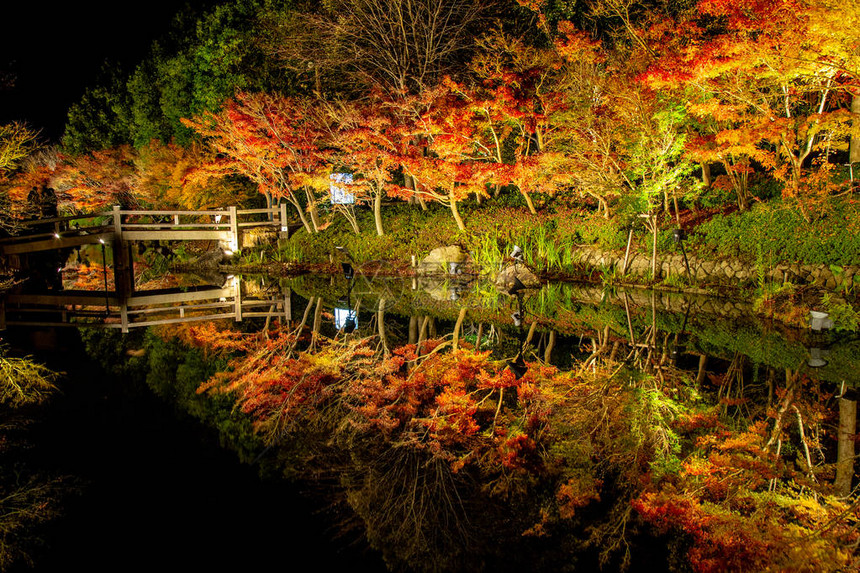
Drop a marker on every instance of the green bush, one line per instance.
(779, 233)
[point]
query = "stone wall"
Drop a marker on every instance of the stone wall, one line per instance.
(713, 271)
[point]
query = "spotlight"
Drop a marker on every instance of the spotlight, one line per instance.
(517, 286)
(228, 253)
(517, 254)
(518, 367)
(348, 271)
(518, 319)
(56, 235)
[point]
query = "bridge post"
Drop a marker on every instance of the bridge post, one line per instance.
(282, 211)
(234, 228)
(237, 300)
(123, 274)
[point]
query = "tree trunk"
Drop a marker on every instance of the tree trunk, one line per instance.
(413, 330)
(654, 252)
(303, 219)
(854, 152)
(547, 353)
(380, 326)
(459, 326)
(454, 211)
(317, 318)
(706, 174)
(700, 375)
(845, 449)
(529, 202)
(312, 209)
(269, 202)
(531, 333)
(412, 183)
(377, 214)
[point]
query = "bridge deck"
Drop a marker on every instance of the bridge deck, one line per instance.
(120, 226)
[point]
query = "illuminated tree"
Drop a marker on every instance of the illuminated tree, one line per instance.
(97, 180)
(770, 83)
(370, 142)
(16, 143)
(445, 161)
(163, 179)
(26, 499)
(281, 144)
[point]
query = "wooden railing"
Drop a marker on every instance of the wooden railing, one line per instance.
(108, 309)
(125, 225)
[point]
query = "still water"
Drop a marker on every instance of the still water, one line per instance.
(160, 474)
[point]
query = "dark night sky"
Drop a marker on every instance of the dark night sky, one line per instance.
(55, 50)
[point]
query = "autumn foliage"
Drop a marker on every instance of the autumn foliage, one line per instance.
(644, 453)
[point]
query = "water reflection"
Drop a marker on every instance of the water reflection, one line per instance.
(540, 429)
(221, 297)
(452, 431)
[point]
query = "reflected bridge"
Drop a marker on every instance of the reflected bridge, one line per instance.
(109, 309)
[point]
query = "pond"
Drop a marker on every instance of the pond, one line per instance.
(439, 425)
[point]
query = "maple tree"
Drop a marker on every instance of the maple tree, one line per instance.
(444, 158)
(163, 179)
(370, 143)
(83, 183)
(522, 103)
(768, 83)
(16, 142)
(278, 143)
(99, 180)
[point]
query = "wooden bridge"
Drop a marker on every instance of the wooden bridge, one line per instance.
(130, 225)
(123, 307)
(108, 309)
(119, 228)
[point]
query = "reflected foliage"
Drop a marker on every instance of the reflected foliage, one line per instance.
(432, 442)
(27, 499)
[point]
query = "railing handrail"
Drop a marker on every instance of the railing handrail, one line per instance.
(145, 212)
(64, 219)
